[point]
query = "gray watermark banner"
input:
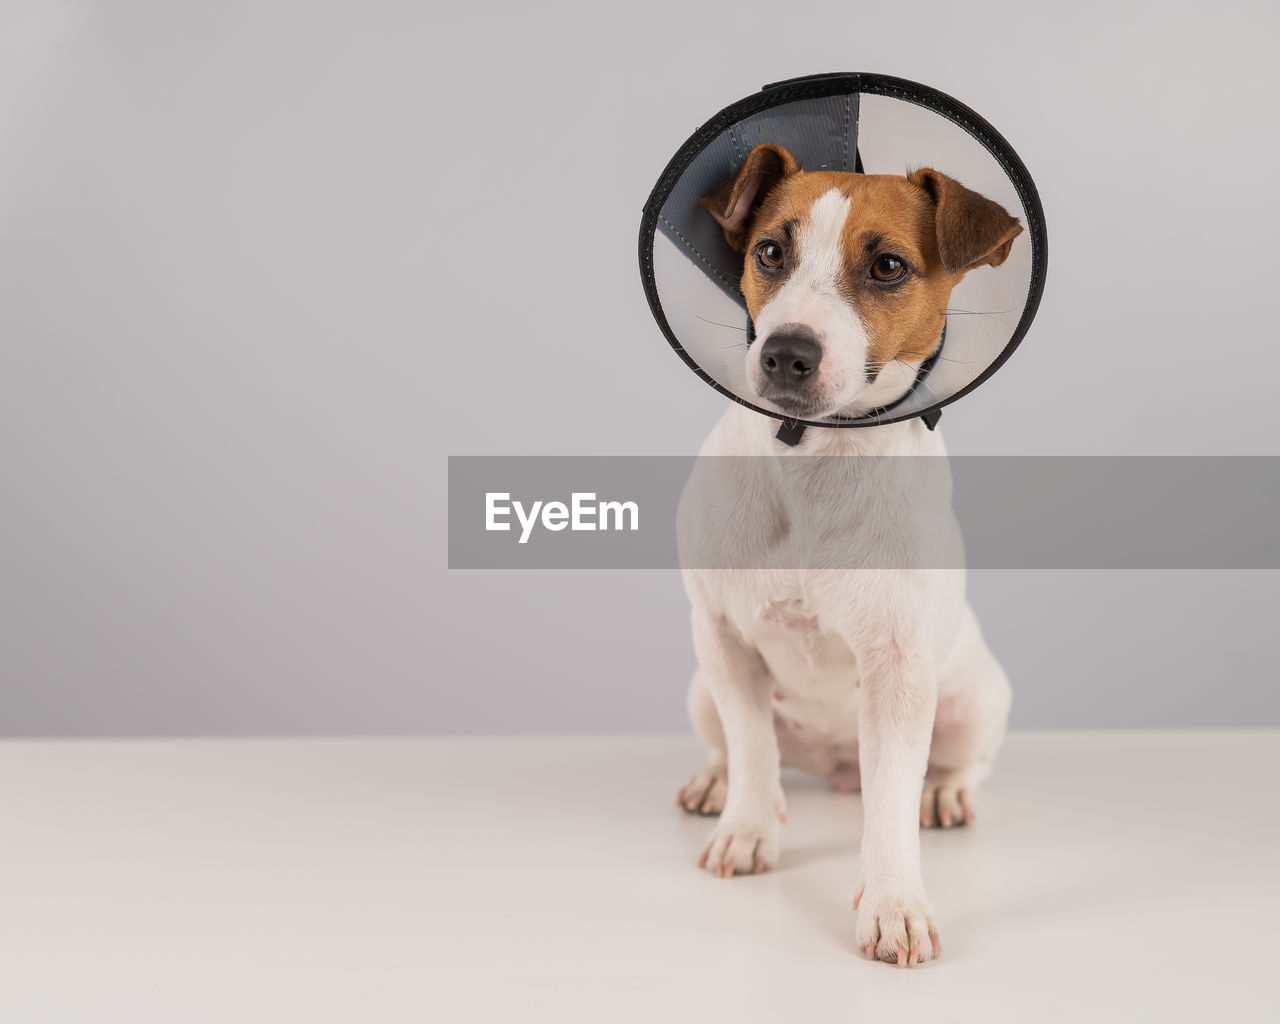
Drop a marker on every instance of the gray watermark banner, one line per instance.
(1034, 512)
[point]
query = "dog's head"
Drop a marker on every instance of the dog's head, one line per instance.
(847, 276)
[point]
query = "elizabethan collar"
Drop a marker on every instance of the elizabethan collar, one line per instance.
(858, 123)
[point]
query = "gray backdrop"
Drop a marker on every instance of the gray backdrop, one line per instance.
(264, 265)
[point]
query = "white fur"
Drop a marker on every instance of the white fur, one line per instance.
(863, 675)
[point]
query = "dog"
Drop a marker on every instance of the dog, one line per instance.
(878, 679)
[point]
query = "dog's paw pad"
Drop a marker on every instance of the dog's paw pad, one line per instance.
(896, 928)
(705, 791)
(740, 847)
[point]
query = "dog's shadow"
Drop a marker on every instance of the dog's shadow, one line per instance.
(830, 907)
(794, 857)
(811, 893)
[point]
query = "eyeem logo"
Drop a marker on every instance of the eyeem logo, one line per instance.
(582, 513)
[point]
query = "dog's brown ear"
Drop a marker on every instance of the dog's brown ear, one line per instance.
(973, 231)
(733, 203)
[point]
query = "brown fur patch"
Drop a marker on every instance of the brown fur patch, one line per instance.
(972, 230)
(734, 203)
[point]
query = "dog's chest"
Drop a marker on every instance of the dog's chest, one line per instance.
(808, 661)
(791, 616)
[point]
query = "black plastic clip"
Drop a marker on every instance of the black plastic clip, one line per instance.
(931, 417)
(790, 432)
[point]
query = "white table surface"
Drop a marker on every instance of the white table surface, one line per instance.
(1110, 876)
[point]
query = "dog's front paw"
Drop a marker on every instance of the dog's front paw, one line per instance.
(896, 925)
(741, 845)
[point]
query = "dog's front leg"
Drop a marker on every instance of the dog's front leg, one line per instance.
(895, 719)
(745, 838)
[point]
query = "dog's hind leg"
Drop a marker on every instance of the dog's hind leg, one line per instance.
(706, 789)
(973, 708)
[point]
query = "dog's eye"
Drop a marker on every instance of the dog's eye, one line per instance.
(888, 268)
(769, 255)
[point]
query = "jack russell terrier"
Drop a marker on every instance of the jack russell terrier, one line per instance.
(878, 679)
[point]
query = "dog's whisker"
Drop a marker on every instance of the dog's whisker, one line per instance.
(716, 323)
(993, 313)
(919, 383)
(792, 203)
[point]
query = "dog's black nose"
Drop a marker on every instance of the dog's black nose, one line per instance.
(790, 355)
